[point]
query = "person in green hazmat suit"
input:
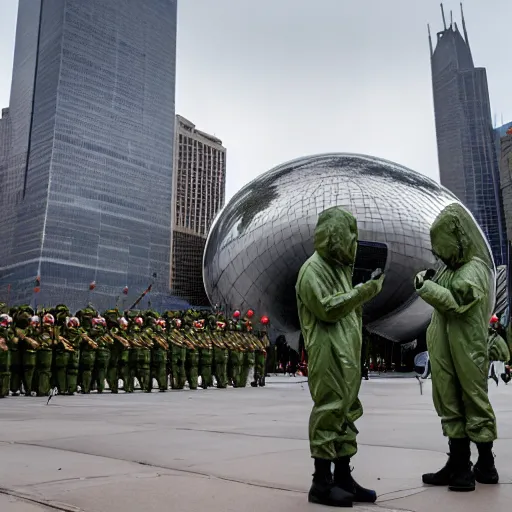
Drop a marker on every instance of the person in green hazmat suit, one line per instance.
(23, 353)
(6, 341)
(63, 350)
(330, 314)
(156, 330)
(88, 349)
(217, 325)
(462, 295)
(119, 350)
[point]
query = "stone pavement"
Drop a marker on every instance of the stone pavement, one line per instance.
(225, 450)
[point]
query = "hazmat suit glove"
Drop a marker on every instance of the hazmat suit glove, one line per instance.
(421, 277)
(371, 288)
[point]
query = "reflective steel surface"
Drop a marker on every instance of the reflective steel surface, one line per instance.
(262, 237)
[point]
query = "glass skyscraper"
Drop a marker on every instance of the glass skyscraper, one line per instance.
(468, 161)
(86, 184)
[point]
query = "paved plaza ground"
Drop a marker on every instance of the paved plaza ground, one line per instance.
(233, 450)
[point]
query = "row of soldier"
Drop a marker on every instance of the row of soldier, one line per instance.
(50, 348)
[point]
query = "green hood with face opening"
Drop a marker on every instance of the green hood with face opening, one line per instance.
(336, 237)
(456, 238)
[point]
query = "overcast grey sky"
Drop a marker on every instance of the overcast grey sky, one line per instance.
(278, 79)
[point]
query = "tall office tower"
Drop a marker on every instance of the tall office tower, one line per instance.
(468, 162)
(87, 191)
(506, 177)
(199, 193)
(499, 133)
(5, 140)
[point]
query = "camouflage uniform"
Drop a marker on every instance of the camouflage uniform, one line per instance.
(249, 357)
(205, 351)
(140, 355)
(178, 349)
(235, 353)
(65, 356)
(260, 361)
(99, 333)
(6, 342)
(119, 350)
(45, 337)
(217, 327)
(192, 360)
(23, 353)
(73, 334)
(156, 330)
(87, 349)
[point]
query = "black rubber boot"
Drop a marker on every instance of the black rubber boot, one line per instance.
(343, 478)
(485, 470)
(323, 490)
(457, 474)
(254, 383)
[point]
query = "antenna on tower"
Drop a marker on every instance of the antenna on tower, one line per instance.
(444, 19)
(451, 19)
(430, 41)
(464, 24)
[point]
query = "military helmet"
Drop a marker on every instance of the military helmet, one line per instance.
(22, 315)
(86, 315)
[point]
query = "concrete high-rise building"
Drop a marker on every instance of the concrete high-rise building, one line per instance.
(506, 178)
(87, 186)
(5, 140)
(199, 193)
(468, 162)
(500, 132)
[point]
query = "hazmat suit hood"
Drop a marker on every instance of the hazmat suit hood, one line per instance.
(336, 236)
(456, 238)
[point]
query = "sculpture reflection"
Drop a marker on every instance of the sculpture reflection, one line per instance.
(261, 238)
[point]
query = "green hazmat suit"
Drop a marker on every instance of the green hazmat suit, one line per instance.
(330, 314)
(462, 296)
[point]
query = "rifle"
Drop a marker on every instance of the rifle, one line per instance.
(145, 292)
(89, 341)
(22, 336)
(66, 344)
(121, 340)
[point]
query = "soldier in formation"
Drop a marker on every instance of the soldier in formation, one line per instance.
(52, 349)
